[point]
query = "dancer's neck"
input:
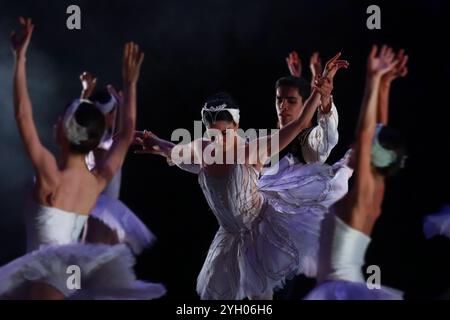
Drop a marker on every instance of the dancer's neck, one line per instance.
(69, 160)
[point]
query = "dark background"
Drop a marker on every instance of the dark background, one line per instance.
(196, 48)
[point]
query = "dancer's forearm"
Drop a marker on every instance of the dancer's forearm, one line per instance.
(383, 102)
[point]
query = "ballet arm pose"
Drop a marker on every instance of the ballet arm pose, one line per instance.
(323, 87)
(44, 163)
(186, 155)
(367, 194)
(107, 167)
(346, 235)
(294, 64)
(399, 71)
(322, 138)
(321, 95)
(192, 152)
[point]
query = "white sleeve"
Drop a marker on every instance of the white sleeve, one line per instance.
(322, 138)
(192, 168)
(189, 167)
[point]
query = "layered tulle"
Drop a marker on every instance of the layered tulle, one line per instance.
(269, 228)
(119, 218)
(347, 290)
(106, 272)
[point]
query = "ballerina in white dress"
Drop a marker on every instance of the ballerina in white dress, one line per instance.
(264, 236)
(378, 152)
(65, 192)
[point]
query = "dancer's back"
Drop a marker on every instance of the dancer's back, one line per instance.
(74, 189)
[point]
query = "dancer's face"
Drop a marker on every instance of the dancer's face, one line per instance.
(227, 132)
(289, 105)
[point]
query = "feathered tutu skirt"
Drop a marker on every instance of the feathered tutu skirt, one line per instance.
(128, 228)
(283, 241)
(78, 271)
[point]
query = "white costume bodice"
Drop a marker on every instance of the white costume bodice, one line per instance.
(52, 226)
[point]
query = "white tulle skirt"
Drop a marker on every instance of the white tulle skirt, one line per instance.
(282, 242)
(120, 219)
(106, 272)
(346, 290)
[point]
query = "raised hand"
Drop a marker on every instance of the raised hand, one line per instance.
(400, 70)
(294, 64)
(21, 40)
(381, 61)
(315, 64)
(332, 66)
(132, 62)
(149, 143)
(324, 85)
(88, 82)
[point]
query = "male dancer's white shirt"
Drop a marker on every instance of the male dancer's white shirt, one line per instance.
(323, 138)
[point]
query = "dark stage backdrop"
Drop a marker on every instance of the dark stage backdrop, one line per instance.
(196, 48)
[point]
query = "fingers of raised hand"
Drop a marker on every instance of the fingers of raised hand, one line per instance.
(334, 59)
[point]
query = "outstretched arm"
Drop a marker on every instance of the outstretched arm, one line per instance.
(43, 161)
(132, 63)
(362, 206)
(185, 156)
(323, 88)
(399, 71)
(379, 63)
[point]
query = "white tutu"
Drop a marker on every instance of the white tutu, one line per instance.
(290, 187)
(269, 228)
(106, 273)
(341, 258)
(347, 290)
(438, 223)
(300, 196)
(128, 227)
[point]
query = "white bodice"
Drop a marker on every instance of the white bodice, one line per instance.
(52, 226)
(234, 199)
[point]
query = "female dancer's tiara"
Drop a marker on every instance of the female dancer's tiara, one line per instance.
(214, 111)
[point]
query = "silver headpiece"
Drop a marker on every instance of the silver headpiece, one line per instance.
(235, 113)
